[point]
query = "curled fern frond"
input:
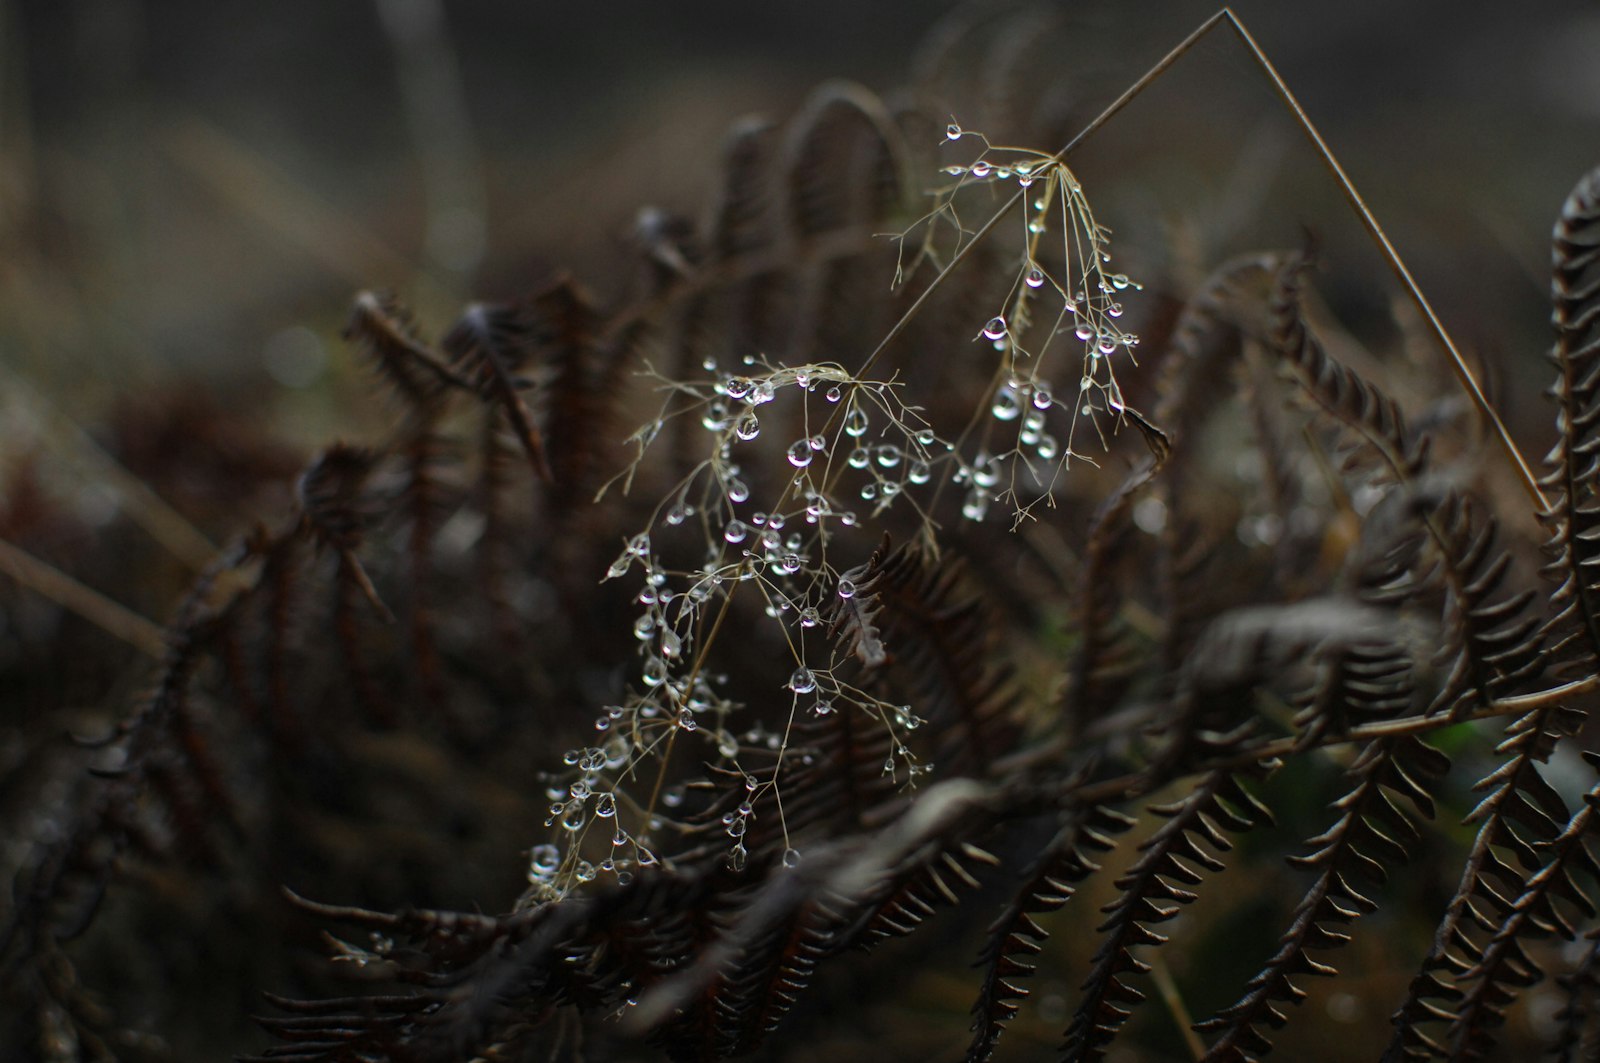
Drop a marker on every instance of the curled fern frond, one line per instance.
(1575, 520)
(489, 346)
(387, 331)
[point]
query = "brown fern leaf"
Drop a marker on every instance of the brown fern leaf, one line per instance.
(939, 638)
(1491, 646)
(1340, 391)
(490, 346)
(1047, 884)
(1575, 480)
(587, 360)
(1371, 830)
(1149, 897)
(1102, 663)
(1503, 966)
(386, 330)
(1520, 812)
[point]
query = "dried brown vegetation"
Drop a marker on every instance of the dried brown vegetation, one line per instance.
(924, 613)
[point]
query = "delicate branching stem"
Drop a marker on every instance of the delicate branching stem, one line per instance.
(1017, 197)
(107, 615)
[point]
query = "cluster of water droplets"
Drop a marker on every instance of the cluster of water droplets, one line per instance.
(591, 837)
(823, 450)
(1065, 300)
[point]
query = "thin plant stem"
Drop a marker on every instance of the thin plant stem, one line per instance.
(84, 601)
(1352, 195)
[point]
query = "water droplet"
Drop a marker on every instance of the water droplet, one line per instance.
(716, 417)
(976, 504)
(1041, 395)
(1108, 344)
(644, 627)
(833, 394)
(848, 518)
(1036, 226)
(869, 492)
(919, 473)
(800, 454)
(926, 438)
(1084, 331)
(655, 670)
(859, 458)
(1048, 447)
(809, 617)
(1115, 309)
(981, 169)
(855, 422)
(738, 490)
(804, 681)
(543, 861)
(1005, 406)
(573, 818)
(672, 796)
(735, 531)
(762, 392)
(847, 588)
(671, 644)
(791, 858)
(790, 564)
(605, 806)
(748, 428)
(888, 456)
(1035, 278)
(995, 329)
(738, 387)
(952, 132)
(823, 707)
(955, 171)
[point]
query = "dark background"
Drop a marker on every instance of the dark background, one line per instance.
(180, 182)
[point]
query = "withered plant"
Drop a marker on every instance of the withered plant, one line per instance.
(885, 564)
